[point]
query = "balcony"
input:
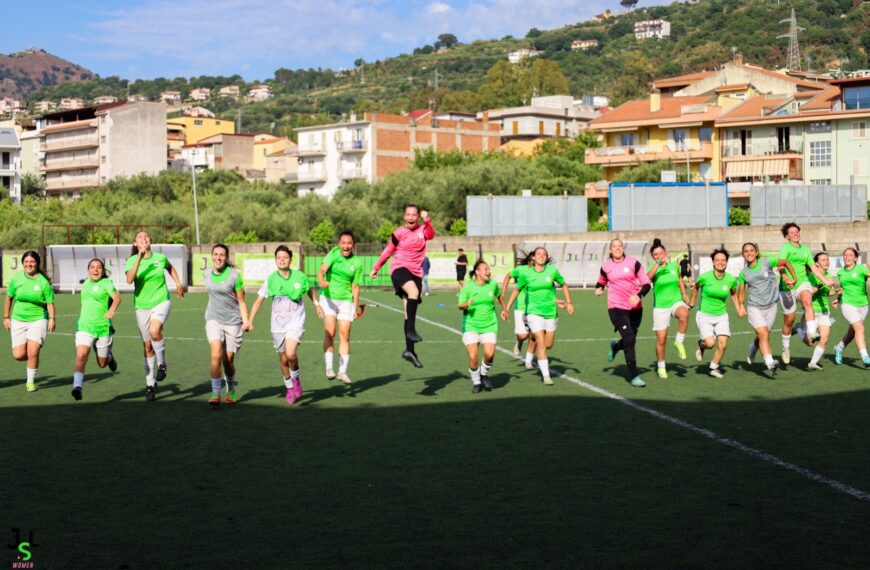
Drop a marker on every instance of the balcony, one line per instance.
(313, 150)
(75, 164)
(70, 144)
(312, 177)
(626, 155)
(352, 146)
(352, 173)
(71, 183)
(736, 150)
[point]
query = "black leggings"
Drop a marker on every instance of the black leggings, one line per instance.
(626, 322)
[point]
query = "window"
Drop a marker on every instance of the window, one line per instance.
(680, 136)
(820, 127)
(626, 139)
(217, 122)
(859, 130)
(820, 153)
(198, 123)
(4, 161)
(856, 97)
(821, 182)
(742, 142)
(705, 134)
(103, 160)
(783, 136)
(103, 139)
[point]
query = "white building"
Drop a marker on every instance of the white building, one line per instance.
(9, 106)
(229, 91)
(546, 117)
(10, 164)
(171, 97)
(331, 155)
(200, 94)
(43, 106)
(578, 45)
(652, 29)
(71, 103)
(198, 112)
(525, 53)
(260, 92)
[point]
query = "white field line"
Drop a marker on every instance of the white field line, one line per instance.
(709, 434)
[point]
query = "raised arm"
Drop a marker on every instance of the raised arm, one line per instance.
(131, 273)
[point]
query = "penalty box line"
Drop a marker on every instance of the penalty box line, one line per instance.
(709, 434)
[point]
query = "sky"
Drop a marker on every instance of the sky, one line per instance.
(144, 39)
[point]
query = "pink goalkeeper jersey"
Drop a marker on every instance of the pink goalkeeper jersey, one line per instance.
(408, 248)
(623, 280)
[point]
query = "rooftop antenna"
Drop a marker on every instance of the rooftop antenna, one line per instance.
(794, 54)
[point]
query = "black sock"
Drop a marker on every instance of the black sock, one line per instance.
(411, 322)
(409, 346)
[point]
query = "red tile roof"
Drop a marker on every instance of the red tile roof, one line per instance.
(681, 80)
(822, 101)
(638, 112)
(753, 107)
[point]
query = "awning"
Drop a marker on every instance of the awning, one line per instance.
(747, 169)
(776, 167)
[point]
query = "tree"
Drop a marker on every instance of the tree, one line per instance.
(534, 33)
(446, 41)
(502, 87)
(323, 233)
(32, 185)
(544, 77)
(628, 3)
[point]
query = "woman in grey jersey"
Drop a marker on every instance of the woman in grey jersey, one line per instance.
(225, 316)
(758, 282)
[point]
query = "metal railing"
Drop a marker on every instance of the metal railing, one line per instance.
(352, 146)
(763, 148)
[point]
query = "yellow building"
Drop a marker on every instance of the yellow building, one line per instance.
(265, 145)
(197, 128)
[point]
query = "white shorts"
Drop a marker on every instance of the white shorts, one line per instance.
(229, 334)
(145, 316)
(520, 324)
(22, 331)
(662, 317)
(278, 338)
(476, 337)
(823, 319)
(712, 325)
(854, 314)
(789, 299)
(761, 316)
(538, 323)
(342, 310)
(101, 344)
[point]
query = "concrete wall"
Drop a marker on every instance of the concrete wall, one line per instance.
(135, 140)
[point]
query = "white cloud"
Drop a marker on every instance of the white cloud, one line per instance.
(438, 8)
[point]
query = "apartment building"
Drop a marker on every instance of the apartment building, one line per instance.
(283, 165)
(656, 29)
(43, 106)
(86, 148)
(195, 128)
(71, 103)
(545, 117)
(266, 145)
(200, 94)
(222, 152)
(10, 164)
(332, 155)
(9, 106)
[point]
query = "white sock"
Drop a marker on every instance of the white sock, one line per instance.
(753, 350)
(661, 363)
(714, 365)
(840, 346)
(78, 379)
(817, 355)
(812, 327)
(680, 337)
(288, 382)
(159, 347)
(768, 360)
(484, 369)
(31, 374)
(475, 376)
(529, 357)
(149, 370)
(786, 342)
(544, 365)
(216, 384)
(328, 360)
(863, 352)
(231, 382)
(343, 361)
(294, 374)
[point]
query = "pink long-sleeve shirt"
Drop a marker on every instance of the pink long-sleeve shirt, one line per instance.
(408, 248)
(623, 279)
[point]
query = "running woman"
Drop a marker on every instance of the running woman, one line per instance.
(521, 327)
(627, 283)
(100, 301)
(538, 284)
(822, 304)
(853, 281)
(712, 317)
(758, 279)
(146, 272)
(671, 301)
(286, 288)
(801, 291)
(225, 316)
(477, 302)
(408, 246)
(339, 277)
(28, 314)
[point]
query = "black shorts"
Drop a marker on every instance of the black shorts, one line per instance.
(401, 276)
(626, 318)
(460, 276)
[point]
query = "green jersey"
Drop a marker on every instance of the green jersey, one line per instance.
(854, 284)
(666, 285)
(32, 295)
(480, 316)
(149, 285)
(342, 273)
(520, 303)
(820, 297)
(96, 297)
(539, 288)
(714, 292)
(801, 259)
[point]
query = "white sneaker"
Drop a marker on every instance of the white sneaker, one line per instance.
(786, 357)
(330, 374)
(531, 365)
(814, 366)
(344, 378)
(716, 373)
(516, 350)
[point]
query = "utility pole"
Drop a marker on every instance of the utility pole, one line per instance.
(794, 54)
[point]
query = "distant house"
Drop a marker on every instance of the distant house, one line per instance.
(137, 98)
(200, 94)
(578, 45)
(105, 99)
(198, 112)
(229, 91)
(525, 53)
(652, 29)
(259, 92)
(43, 106)
(9, 106)
(283, 165)
(606, 15)
(545, 117)
(71, 103)
(171, 97)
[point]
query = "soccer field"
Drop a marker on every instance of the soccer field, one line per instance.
(408, 468)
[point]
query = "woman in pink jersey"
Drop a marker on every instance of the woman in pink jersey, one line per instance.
(626, 283)
(407, 246)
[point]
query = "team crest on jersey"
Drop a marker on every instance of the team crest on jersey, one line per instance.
(549, 279)
(625, 269)
(37, 287)
(724, 287)
(95, 288)
(297, 285)
(766, 274)
(420, 235)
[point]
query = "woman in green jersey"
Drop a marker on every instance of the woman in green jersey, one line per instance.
(225, 316)
(286, 287)
(339, 277)
(822, 304)
(539, 284)
(671, 301)
(477, 301)
(100, 301)
(146, 270)
(712, 317)
(521, 327)
(853, 304)
(28, 313)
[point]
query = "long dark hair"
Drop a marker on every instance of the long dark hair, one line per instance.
(103, 275)
(226, 251)
(657, 243)
(36, 257)
(136, 249)
(473, 273)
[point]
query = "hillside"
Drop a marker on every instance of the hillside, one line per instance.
(28, 71)
(703, 35)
